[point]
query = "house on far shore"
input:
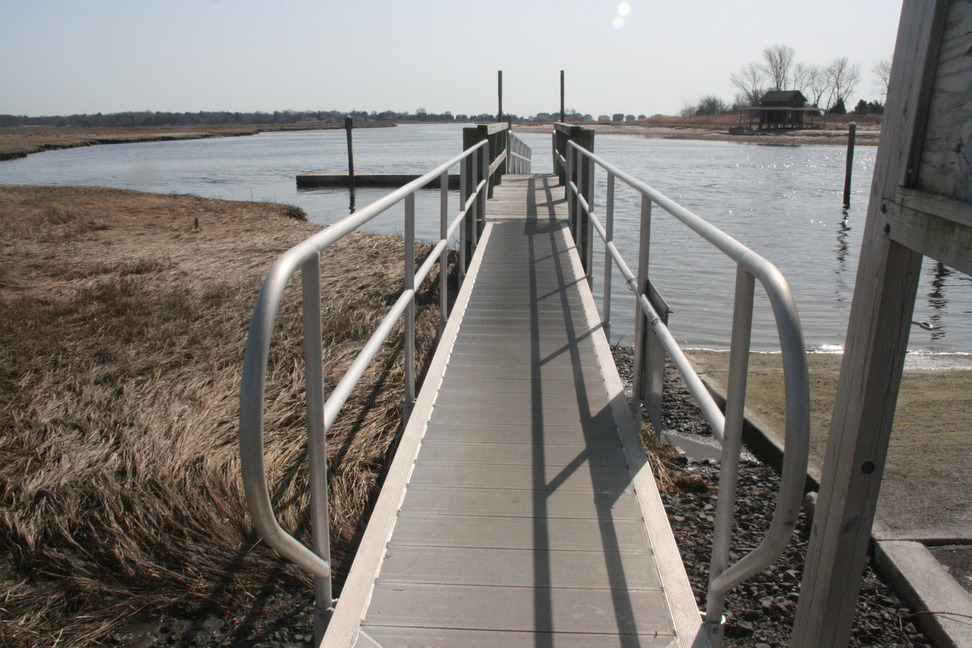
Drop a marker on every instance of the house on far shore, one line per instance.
(782, 109)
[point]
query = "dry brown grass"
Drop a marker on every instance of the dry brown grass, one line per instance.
(122, 323)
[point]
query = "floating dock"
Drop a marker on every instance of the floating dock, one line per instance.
(394, 180)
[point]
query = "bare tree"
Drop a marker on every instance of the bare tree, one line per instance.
(750, 82)
(778, 65)
(799, 81)
(842, 78)
(816, 84)
(882, 73)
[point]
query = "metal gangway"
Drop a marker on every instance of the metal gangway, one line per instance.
(520, 509)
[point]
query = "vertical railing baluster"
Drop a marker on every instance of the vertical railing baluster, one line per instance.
(569, 195)
(742, 324)
(464, 180)
(486, 155)
(608, 261)
(310, 275)
(642, 331)
(473, 234)
(409, 285)
(444, 255)
(589, 230)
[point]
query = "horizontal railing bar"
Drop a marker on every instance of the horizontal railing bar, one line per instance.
(391, 318)
(707, 404)
(495, 164)
(710, 409)
(354, 373)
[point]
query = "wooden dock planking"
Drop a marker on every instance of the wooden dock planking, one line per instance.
(517, 505)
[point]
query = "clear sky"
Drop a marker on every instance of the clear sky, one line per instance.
(89, 56)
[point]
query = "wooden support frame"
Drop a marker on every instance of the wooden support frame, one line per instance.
(903, 224)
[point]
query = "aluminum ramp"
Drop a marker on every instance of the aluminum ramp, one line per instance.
(519, 509)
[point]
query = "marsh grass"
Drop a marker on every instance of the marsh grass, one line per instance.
(122, 324)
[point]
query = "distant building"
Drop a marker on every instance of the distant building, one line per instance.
(782, 109)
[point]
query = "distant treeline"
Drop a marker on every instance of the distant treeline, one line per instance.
(153, 118)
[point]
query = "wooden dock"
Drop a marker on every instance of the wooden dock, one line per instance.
(320, 179)
(520, 509)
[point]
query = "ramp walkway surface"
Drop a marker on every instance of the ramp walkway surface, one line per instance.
(519, 509)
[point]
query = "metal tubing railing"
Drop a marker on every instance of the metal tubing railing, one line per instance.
(728, 427)
(321, 413)
(519, 155)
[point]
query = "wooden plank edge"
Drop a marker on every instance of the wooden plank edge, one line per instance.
(342, 631)
(671, 569)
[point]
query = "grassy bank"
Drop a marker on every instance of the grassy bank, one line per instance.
(927, 478)
(22, 141)
(122, 324)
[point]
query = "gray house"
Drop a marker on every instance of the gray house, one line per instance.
(782, 109)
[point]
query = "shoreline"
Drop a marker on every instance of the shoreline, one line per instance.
(835, 134)
(19, 142)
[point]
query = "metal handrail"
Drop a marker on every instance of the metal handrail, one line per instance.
(320, 413)
(727, 428)
(519, 155)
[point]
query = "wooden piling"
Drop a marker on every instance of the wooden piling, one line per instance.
(348, 126)
(848, 172)
(562, 113)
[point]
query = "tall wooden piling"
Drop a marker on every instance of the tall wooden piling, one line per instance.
(499, 90)
(348, 126)
(849, 169)
(562, 113)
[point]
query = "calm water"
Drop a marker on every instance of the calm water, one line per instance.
(784, 202)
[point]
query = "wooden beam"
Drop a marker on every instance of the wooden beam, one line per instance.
(940, 228)
(877, 341)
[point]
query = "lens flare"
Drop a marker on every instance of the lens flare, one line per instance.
(618, 22)
(624, 9)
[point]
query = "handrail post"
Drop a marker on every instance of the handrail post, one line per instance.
(465, 181)
(568, 196)
(742, 321)
(409, 286)
(481, 212)
(444, 255)
(589, 222)
(473, 240)
(310, 276)
(642, 331)
(608, 262)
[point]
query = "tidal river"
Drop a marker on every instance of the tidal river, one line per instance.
(783, 202)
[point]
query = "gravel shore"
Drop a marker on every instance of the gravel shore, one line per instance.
(759, 613)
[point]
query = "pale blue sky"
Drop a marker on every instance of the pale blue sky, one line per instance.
(74, 56)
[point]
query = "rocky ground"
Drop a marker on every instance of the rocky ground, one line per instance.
(759, 612)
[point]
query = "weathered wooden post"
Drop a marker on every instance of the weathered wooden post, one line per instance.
(851, 137)
(562, 113)
(917, 208)
(584, 137)
(499, 82)
(348, 126)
